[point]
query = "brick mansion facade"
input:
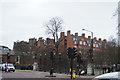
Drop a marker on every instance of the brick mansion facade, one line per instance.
(42, 47)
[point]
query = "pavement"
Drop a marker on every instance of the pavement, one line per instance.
(85, 76)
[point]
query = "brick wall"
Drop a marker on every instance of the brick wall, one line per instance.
(12, 59)
(69, 40)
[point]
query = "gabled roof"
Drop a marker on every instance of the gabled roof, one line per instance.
(77, 38)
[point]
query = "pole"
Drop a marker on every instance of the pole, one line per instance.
(92, 54)
(71, 67)
(45, 63)
(118, 49)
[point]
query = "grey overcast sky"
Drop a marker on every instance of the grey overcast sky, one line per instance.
(24, 19)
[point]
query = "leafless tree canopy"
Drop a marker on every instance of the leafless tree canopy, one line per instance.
(54, 26)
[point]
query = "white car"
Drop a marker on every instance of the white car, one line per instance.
(108, 76)
(9, 66)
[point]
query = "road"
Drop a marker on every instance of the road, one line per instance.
(36, 75)
(30, 74)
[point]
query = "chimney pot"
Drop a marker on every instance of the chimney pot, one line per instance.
(89, 37)
(83, 34)
(68, 31)
(105, 40)
(76, 34)
(95, 38)
(99, 39)
(62, 34)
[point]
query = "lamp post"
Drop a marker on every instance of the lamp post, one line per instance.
(90, 65)
(118, 47)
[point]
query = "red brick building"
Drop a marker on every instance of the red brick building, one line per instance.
(83, 44)
(3, 58)
(41, 47)
(80, 41)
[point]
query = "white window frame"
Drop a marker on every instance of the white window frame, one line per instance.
(89, 44)
(97, 45)
(73, 39)
(84, 43)
(75, 42)
(81, 42)
(94, 45)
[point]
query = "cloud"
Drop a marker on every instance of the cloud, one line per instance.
(24, 19)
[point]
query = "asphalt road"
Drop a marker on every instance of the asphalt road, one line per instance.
(30, 74)
(36, 75)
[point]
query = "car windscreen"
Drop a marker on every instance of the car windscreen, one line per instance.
(10, 65)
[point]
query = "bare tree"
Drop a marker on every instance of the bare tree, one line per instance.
(54, 26)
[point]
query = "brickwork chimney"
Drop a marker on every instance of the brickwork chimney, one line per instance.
(89, 37)
(32, 41)
(40, 38)
(95, 38)
(100, 39)
(76, 34)
(68, 32)
(62, 34)
(83, 34)
(105, 40)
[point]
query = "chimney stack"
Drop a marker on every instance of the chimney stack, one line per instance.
(89, 37)
(68, 32)
(105, 40)
(62, 34)
(95, 38)
(76, 34)
(99, 39)
(83, 34)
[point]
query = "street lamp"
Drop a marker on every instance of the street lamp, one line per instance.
(90, 66)
(118, 47)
